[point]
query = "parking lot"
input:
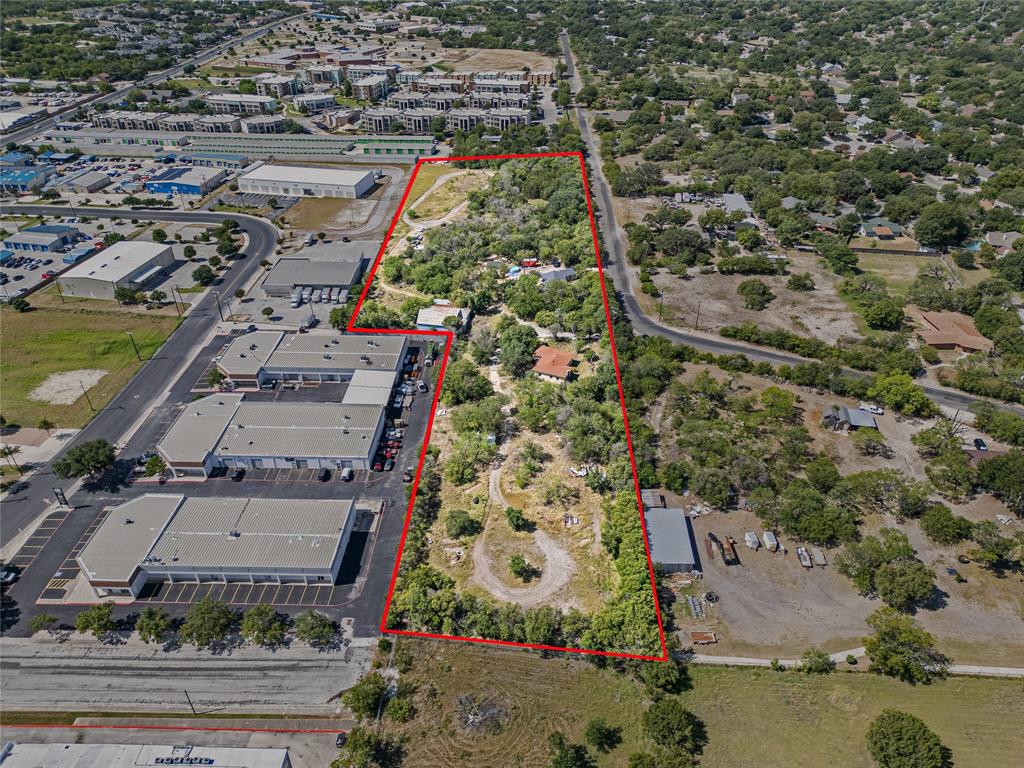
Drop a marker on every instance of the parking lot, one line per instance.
(22, 273)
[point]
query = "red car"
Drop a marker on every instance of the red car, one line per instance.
(377, 467)
(47, 275)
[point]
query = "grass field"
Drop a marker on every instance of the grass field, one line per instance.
(425, 177)
(899, 271)
(50, 340)
(754, 718)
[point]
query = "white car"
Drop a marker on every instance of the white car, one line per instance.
(870, 408)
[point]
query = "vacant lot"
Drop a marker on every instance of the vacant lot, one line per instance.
(819, 313)
(770, 606)
(483, 59)
(453, 189)
(804, 720)
(52, 340)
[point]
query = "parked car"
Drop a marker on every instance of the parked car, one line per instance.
(870, 408)
(324, 475)
(377, 466)
(407, 475)
(346, 474)
(389, 465)
(237, 475)
(341, 739)
(980, 444)
(421, 385)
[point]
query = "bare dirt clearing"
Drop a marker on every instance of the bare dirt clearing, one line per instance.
(483, 59)
(65, 388)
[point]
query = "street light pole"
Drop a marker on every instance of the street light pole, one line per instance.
(220, 311)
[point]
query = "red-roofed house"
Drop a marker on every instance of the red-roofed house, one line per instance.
(553, 364)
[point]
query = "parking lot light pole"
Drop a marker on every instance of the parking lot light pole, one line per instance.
(134, 345)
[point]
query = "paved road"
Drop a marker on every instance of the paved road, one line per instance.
(22, 134)
(115, 420)
(84, 674)
(642, 323)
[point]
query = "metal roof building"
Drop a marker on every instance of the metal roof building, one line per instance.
(17, 755)
(292, 273)
(128, 264)
(369, 388)
(297, 181)
(670, 537)
(172, 537)
(256, 358)
(222, 431)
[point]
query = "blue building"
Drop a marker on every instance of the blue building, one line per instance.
(24, 178)
(186, 181)
(15, 158)
(45, 238)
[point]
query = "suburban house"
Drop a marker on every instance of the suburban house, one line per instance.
(432, 318)
(842, 417)
(553, 365)
(952, 330)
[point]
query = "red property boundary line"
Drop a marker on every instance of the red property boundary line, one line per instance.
(448, 336)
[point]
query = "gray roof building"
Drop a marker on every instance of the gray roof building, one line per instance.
(369, 388)
(670, 537)
(291, 273)
(175, 537)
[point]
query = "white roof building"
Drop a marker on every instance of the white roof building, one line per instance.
(128, 264)
(302, 181)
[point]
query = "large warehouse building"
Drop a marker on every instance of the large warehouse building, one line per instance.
(264, 356)
(172, 537)
(223, 431)
(670, 537)
(295, 273)
(298, 181)
(128, 264)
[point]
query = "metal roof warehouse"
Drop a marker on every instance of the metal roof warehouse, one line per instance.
(306, 181)
(222, 431)
(172, 537)
(263, 356)
(671, 539)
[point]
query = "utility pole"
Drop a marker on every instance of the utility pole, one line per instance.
(86, 393)
(59, 291)
(134, 345)
(696, 323)
(191, 705)
(220, 311)
(661, 306)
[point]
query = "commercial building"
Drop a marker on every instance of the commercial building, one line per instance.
(296, 181)
(223, 431)
(369, 388)
(83, 181)
(217, 160)
(295, 273)
(378, 25)
(173, 537)
(670, 537)
(241, 103)
(407, 146)
(261, 357)
(263, 124)
(59, 755)
(277, 86)
(128, 264)
(24, 178)
(282, 146)
(186, 181)
(46, 238)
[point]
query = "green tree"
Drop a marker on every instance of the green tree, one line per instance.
(458, 524)
(668, 724)
(901, 740)
(263, 625)
(207, 623)
(267, 312)
(97, 619)
(815, 661)
(40, 622)
(520, 568)
(516, 519)
(189, 252)
(901, 649)
(366, 696)
(904, 584)
(83, 460)
(159, 235)
(153, 623)
(155, 465)
(315, 628)
(601, 736)
(943, 527)
(46, 425)
(898, 391)
(886, 315)
(800, 282)
(756, 294)
(567, 755)
(869, 442)
(203, 275)
(365, 749)
(942, 225)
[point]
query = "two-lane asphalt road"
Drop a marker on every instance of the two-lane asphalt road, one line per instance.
(156, 374)
(643, 323)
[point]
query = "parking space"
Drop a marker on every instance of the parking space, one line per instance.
(23, 272)
(28, 552)
(252, 200)
(282, 595)
(57, 587)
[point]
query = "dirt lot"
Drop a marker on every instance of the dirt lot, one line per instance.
(819, 313)
(770, 606)
(484, 59)
(449, 193)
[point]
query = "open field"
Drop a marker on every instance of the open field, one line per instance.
(814, 720)
(820, 313)
(53, 340)
(483, 59)
(899, 271)
(451, 192)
